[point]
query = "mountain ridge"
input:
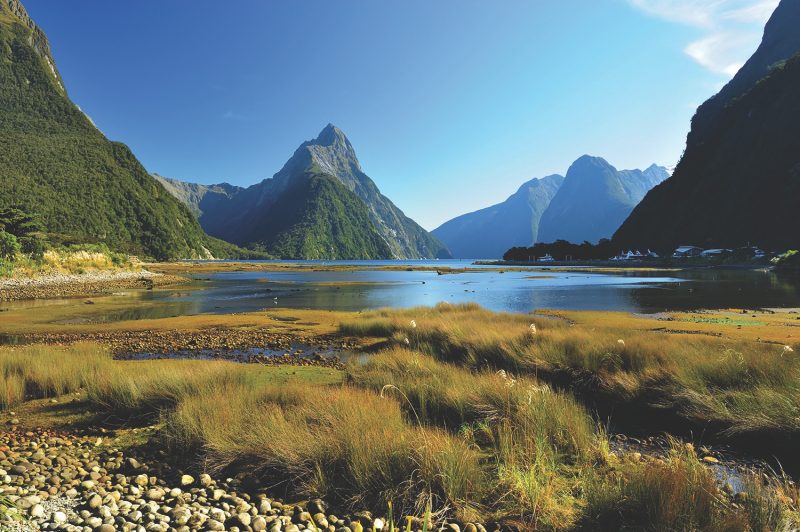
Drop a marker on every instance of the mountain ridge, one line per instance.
(487, 233)
(57, 164)
(738, 180)
(332, 154)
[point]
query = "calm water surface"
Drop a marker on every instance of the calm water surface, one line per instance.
(514, 291)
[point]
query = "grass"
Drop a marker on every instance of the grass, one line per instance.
(748, 386)
(676, 493)
(76, 259)
(41, 372)
(456, 418)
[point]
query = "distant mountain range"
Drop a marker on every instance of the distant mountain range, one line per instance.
(586, 205)
(55, 163)
(490, 232)
(739, 179)
(595, 199)
(320, 205)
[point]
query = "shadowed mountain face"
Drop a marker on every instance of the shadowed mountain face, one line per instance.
(739, 179)
(594, 200)
(199, 198)
(55, 163)
(490, 232)
(240, 216)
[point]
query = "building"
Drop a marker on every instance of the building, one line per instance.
(687, 251)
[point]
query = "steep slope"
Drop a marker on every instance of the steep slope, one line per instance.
(737, 182)
(55, 163)
(240, 219)
(594, 200)
(318, 218)
(780, 42)
(489, 232)
(198, 198)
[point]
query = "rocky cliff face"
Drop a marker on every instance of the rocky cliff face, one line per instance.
(780, 42)
(198, 198)
(37, 39)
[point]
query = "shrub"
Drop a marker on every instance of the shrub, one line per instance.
(9, 246)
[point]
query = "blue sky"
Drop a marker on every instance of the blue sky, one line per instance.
(450, 104)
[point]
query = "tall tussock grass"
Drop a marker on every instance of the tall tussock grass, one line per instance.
(37, 372)
(535, 442)
(145, 388)
(407, 428)
(679, 493)
(748, 385)
(348, 445)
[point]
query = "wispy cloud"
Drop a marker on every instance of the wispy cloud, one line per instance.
(231, 115)
(732, 28)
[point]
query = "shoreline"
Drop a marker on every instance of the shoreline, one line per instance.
(60, 285)
(652, 265)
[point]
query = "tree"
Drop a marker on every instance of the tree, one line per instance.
(17, 222)
(9, 246)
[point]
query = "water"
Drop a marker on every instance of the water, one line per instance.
(251, 355)
(513, 291)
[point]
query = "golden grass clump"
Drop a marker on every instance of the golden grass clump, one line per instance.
(349, 445)
(748, 385)
(37, 371)
(535, 442)
(677, 493)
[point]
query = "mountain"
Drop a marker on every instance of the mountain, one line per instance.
(241, 216)
(738, 181)
(198, 198)
(318, 218)
(57, 164)
(594, 199)
(780, 42)
(489, 232)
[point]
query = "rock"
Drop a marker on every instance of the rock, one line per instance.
(710, 460)
(317, 506)
(205, 480)
(187, 480)
(452, 527)
(133, 463)
(155, 494)
(213, 524)
(59, 517)
(320, 520)
(106, 528)
(37, 511)
(377, 524)
(264, 507)
(95, 501)
(259, 524)
(244, 519)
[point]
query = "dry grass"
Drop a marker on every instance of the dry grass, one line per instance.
(748, 385)
(345, 444)
(38, 372)
(479, 443)
(678, 493)
(535, 442)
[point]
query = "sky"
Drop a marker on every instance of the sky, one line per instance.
(450, 104)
